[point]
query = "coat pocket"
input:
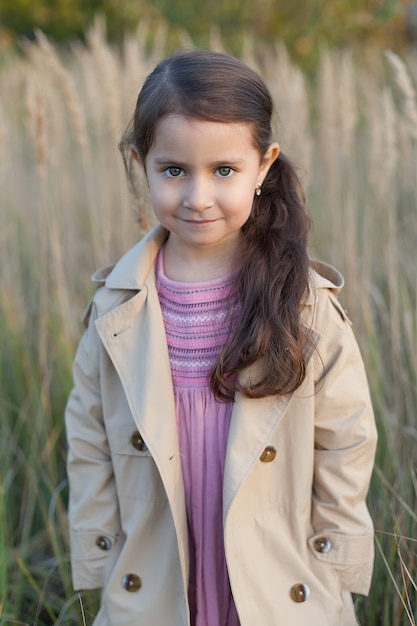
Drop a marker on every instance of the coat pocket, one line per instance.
(136, 474)
(323, 568)
(350, 556)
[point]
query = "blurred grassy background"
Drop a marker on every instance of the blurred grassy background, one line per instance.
(347, 117)
(303, 25)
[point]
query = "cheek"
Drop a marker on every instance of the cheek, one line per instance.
(161, 200)
(239, 214)
(243, 200)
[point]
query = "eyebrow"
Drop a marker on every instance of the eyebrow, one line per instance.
(166, 160)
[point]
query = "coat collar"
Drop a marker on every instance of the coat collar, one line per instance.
(132, 270)
(135, 266)
(323, 276)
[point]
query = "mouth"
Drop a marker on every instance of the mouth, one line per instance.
(199, 222)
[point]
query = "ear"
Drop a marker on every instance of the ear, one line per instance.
(135, 154)
(136, 157)
(269, 157)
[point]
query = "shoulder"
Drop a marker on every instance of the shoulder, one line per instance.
(323, 275)
(131, 271)
(322, 303)
(325, 317)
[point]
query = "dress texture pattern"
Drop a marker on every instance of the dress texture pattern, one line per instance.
(199, 318)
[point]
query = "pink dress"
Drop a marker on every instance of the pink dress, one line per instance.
(198, 318)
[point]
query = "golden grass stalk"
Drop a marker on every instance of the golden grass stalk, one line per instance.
(327, 144)
(51, 61)
(45, 56)
(389, 143)
(406, 606)
(3, 137)
(405, 84)
(36, 121)
(292, 131)
(215, 39)
(108, 67)
(348, 106)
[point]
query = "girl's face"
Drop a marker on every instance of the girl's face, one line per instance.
(202, 178)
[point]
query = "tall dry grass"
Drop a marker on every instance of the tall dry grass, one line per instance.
(65, 210)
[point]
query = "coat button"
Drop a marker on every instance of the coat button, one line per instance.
(322, 544)
(300, 592)
(131, 582)
(137, 442)
(268, 454)
(103, 543)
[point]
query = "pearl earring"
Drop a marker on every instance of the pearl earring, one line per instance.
(258, 189)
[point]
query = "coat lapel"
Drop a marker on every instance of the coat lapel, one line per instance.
(252, 424)
(134, 337)
(133, 333)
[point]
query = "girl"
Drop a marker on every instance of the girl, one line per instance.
(221, 436)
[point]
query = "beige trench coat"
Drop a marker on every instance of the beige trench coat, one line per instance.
(297, 531)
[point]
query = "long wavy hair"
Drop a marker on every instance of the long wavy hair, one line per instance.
(272, 282)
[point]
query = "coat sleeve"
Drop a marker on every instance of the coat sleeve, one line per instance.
(345, 443)
(93, 512)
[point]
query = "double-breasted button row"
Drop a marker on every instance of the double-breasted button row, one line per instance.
(137, 442)
(268, 454)
(131, 582)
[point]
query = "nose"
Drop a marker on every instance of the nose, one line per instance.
(198, 194)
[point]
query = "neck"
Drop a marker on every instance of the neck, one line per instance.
(188, 265)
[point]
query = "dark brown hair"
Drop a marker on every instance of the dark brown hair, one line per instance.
(273, 279)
